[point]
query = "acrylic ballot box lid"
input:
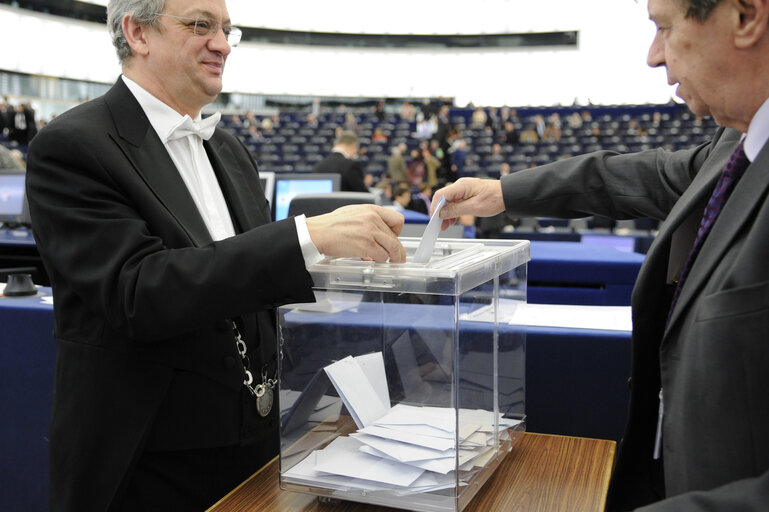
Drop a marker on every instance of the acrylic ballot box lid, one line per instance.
(456, 266)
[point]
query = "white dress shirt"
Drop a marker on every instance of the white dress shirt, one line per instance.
(758, 132)
(191, 160)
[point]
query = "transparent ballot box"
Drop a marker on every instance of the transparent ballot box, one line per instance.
(404, 384)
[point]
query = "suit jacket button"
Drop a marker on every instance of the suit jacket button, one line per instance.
(229, 362)
(630, 382)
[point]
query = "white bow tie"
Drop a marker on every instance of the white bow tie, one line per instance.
(203, 128)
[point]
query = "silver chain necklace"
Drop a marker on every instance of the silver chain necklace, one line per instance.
(263, 391)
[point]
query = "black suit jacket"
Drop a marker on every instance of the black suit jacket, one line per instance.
(143, 299)
(352, 174)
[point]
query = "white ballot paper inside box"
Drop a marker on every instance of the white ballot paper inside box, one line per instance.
(405, 448)
(362, 386)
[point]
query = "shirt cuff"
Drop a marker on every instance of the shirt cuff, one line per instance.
(309, 251)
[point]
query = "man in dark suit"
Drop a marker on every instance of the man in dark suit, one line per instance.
(696, 437)
(165, 271)
(342, 160)
(23, 126)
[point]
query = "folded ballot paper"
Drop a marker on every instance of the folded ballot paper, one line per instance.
(402, 449)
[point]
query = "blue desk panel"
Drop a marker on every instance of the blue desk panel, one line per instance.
(412, 217)
(27, 359)
(576, 381)
(16, 237)
(576, 273)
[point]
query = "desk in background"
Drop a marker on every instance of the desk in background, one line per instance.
(577, 273)
(27, 360)
(16, 237)
(412, 217)
(18, 249)
(576, 385)
(543, 474)
(576, 381)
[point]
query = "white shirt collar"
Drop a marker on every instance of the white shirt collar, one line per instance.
(758, 132)
(162, 117)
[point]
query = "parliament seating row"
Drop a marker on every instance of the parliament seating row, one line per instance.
(294, 145)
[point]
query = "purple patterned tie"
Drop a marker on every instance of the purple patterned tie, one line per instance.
(733, 171)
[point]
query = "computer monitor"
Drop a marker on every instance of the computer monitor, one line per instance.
(289, 185)
(267, 180)
(11, 196)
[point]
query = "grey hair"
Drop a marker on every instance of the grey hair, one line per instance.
(346, 138)
(700, 9)
(145, 12)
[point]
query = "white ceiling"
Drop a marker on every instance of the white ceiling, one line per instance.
(409, 16)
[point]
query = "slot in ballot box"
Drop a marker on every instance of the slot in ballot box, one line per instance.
(395, 386)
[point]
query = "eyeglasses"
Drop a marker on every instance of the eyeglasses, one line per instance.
(202, 26)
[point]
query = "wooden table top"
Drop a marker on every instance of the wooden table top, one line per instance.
(544, 473)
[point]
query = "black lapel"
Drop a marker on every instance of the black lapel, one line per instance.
(240, 198)
(149, 157)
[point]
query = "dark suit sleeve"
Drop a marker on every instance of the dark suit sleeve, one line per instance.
(353, 178)
(618, 186)
(749, 495)
(111, 246)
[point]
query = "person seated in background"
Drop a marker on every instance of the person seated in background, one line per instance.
(250, 119)
(384, 191)
(378, 135)
(510, 136)
(408, 112)
(342, 160)
(417, 204)
(416, 168)
(478, 118)
(267, 125)
(553, 128)
(529, 135)
(401, 196)
(496, 155)
(575, 121)
(424, 196)
(368, 180)
(254, 135)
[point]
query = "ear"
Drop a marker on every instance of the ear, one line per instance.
(753, 20)
(135, 35)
